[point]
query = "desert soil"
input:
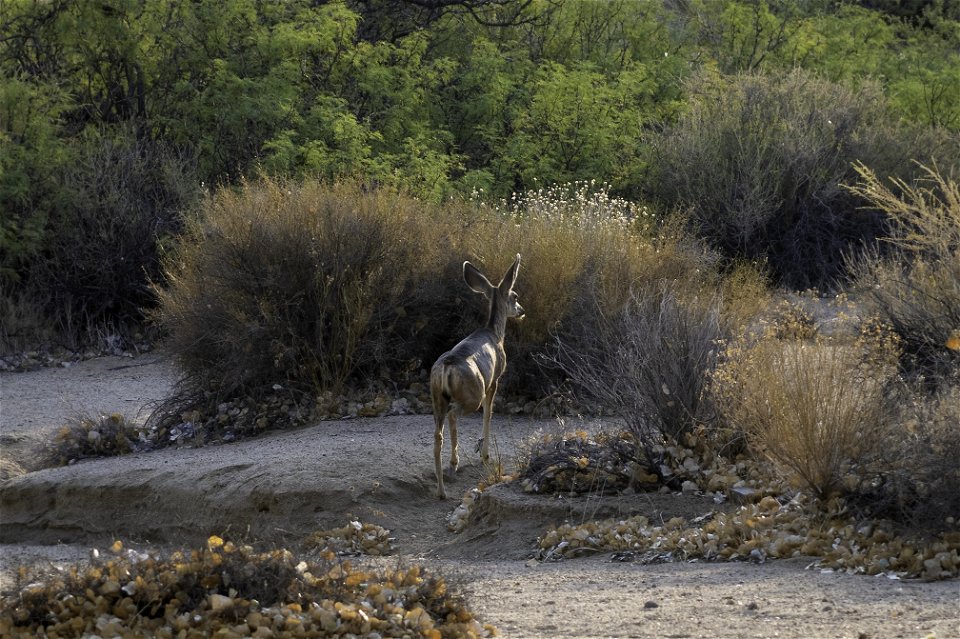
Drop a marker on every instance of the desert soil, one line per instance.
(278, 488)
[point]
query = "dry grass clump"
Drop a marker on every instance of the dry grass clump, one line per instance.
(917, 289)
(99, 436)
(226, 590)
(790, 320)
(812, 406)
(356, 538)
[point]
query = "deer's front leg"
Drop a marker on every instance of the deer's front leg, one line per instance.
(487, 414)
(437, 449)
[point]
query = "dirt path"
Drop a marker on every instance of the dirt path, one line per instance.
(280, 487)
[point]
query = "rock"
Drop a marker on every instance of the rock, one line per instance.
(400, 406)
(220, 602)
(744, 495)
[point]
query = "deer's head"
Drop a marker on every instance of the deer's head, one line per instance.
(504, 301)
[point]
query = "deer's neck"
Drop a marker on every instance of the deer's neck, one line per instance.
(497, 320)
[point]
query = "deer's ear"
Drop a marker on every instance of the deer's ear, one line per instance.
(511, 277)
(476, 280)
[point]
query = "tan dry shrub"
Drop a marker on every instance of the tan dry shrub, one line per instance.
(584, 252)
(916, 290)
(790, 321)
(928, 490)
(812, 407)
(745, 292)
(300, 284)
(101, 435)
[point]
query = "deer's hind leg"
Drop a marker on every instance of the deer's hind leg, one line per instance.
(454, 454)
(440, 410)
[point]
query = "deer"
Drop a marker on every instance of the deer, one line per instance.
(465, 378)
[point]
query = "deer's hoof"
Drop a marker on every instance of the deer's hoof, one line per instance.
(451, 471)
(441, 495)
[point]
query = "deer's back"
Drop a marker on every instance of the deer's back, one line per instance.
(466, 371)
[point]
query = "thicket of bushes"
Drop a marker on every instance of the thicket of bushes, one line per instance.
(760, 163)
(869, 417)
(315, 287)
(916, 289)
(87, 265)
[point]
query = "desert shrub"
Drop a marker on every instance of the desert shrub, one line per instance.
(916, 290)
(929, 490)
(918, 484)
(789, 320)
(813, 407)
(583, 253)
(759, 161)
(23, 322)
(303, 285)
(649, 361)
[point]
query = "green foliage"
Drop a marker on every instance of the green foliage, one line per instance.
(30, 155)
(759, 163)
(437, 102)
(578, 125)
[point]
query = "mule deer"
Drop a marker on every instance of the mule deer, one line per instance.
(465, 378)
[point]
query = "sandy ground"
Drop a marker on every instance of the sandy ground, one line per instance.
(278, 488)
